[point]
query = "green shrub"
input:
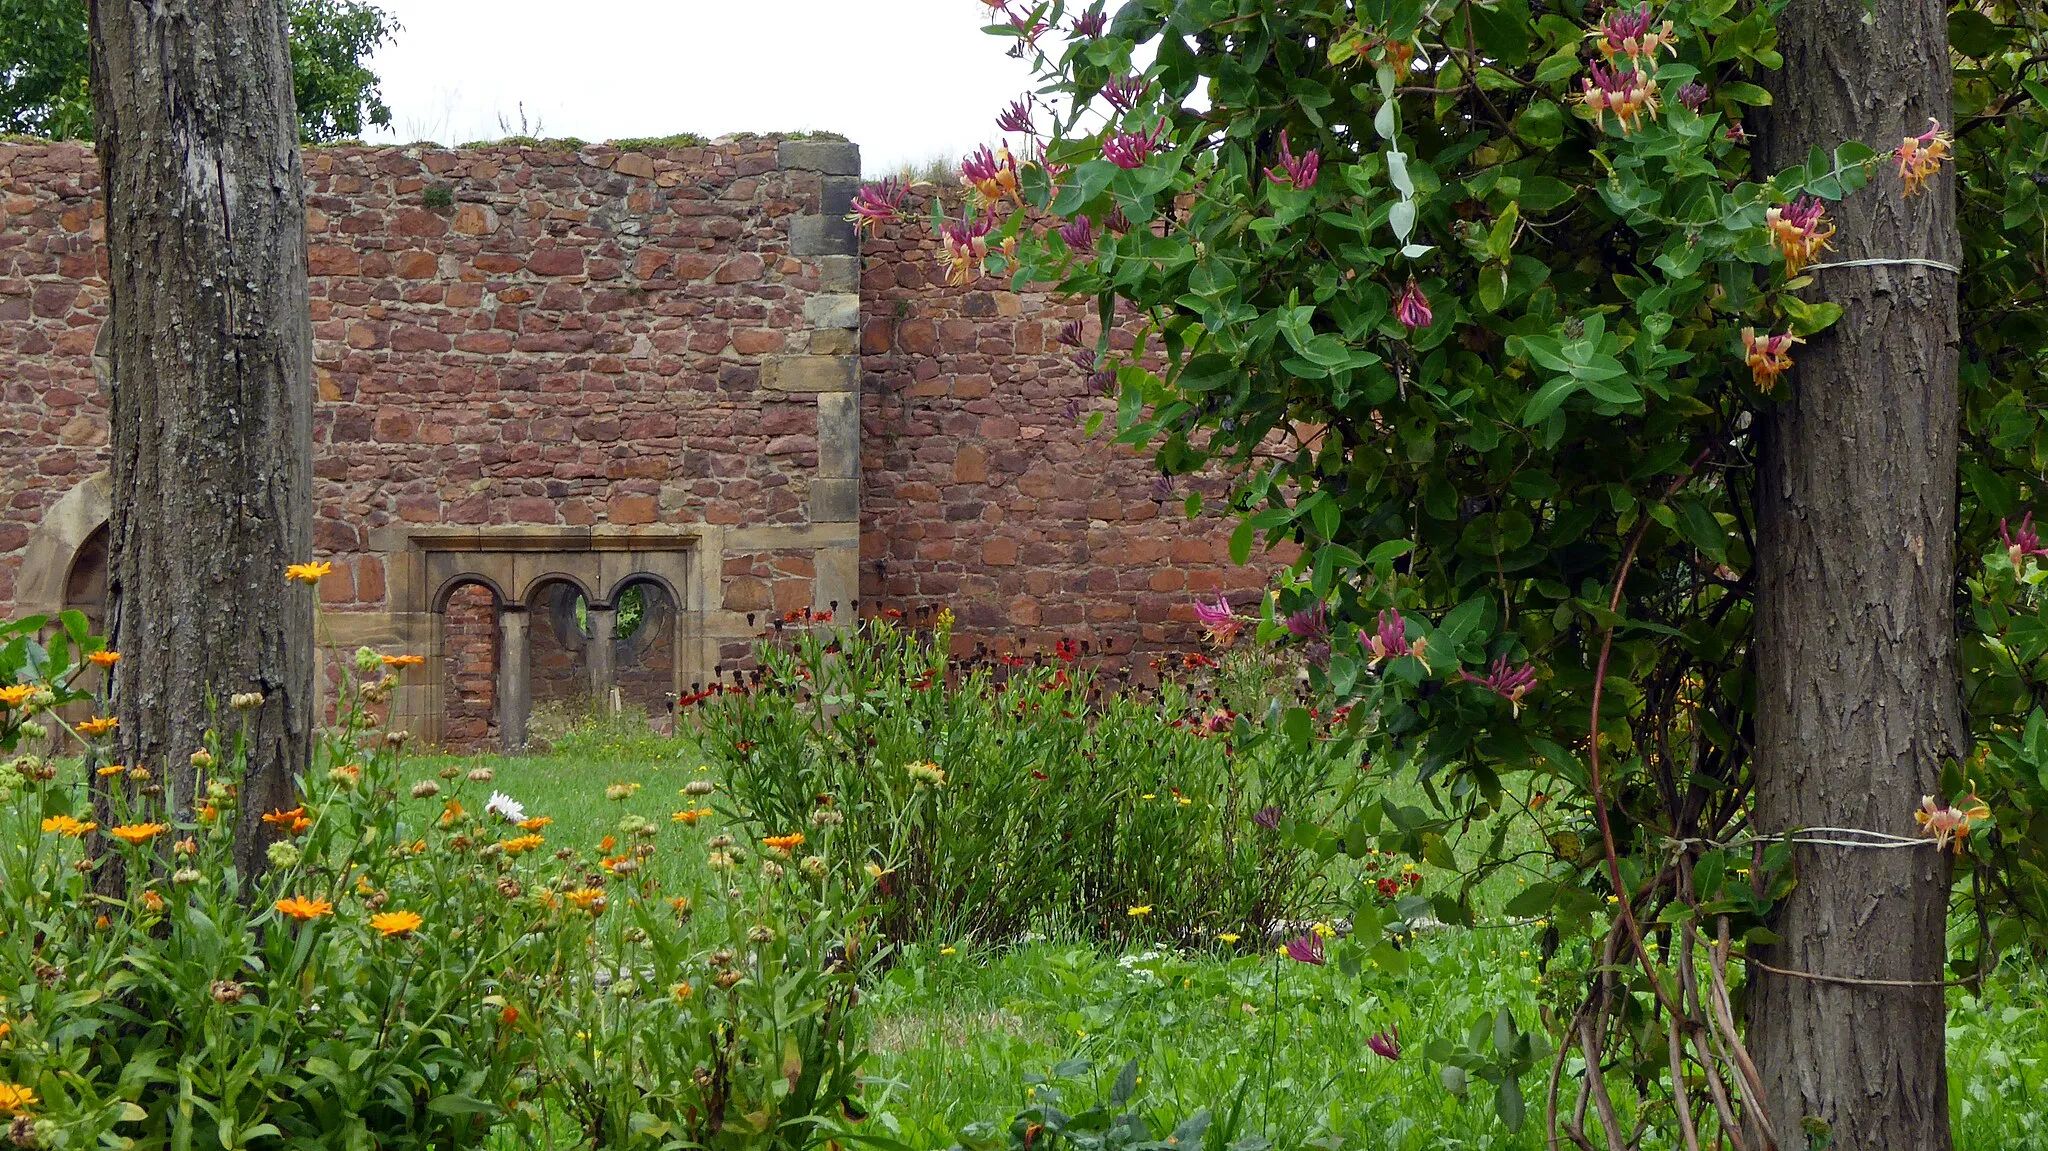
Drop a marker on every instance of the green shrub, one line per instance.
(419, 966)
(991, 806)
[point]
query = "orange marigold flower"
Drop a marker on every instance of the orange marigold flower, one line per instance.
(451, 812)
(16, 1099)
(16, 694)
(534, 824)
(299, 907)
(282, 818)
(111, 769)
(98, 725)
(510, 1015)
(390, 923)
(105, 658)
(307, 573)
(521, 844)
(403, 660)
(208, 813)
(1769, 356)
(589, 899)
(607, 843)
(793, 839)
(137, 833)
(152, 901)
(67, 826)
(691, 815)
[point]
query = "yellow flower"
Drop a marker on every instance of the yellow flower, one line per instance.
(926, 773)
(1138, 910)
(98, 725)
(785, 842)
(620, 791)
(1228, 936)
(16, 1099)
(682, 991)
(391, 923)
(136, 833)
(1183, 800)
(949, 951)
(111, 769)
(590, 899)
(16, 694)
(307, 573)
(521, 844)
(105, 658)
(1325, 930)
(691, 816)
(299, 907)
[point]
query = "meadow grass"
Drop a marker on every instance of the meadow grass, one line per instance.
(971, 1033)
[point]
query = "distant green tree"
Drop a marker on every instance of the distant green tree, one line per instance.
(45, 63)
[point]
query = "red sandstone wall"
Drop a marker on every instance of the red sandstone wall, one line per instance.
(982, 492)
(579, 338)
(470, 658)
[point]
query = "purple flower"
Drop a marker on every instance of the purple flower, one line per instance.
(1306, 949)
(1308, 623)
(991, 175)
(1074, 408)
(1162, 488)
(1116, 222)
(1132, 149)
(876, 204)
(1072, 334)
(1124, 92)
(1506, 681)
(1084, 359)
(1105, 380)
(1385, 1044)
(1079, 234)
(1693, 95)
(2022, 543)
(1299, 171)
(1412, 307)
(1017, 118)
(1090, 24)
(1268, 817)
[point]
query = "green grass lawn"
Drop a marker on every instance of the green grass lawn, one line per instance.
(1276, 1048)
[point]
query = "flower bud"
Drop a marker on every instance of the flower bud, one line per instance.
(227, 991)
(246, 700)
(425, 789)
(698, 787)
(367, 660)
(480, 774)
(186, 876)
(202, 759)
(760, 933)
(283, 854)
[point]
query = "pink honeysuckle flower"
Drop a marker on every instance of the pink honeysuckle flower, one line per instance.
(2022, 543)
(1633, 33)
(876, 204)
(1079, 234)
(1090, 24)
(1124, 92)
(1626, 92)
(1920, 156)
(1950, 822)
(1219, 620)
(1310, 623)
(1296, 171)
(1132, 149)
(1692, 95)
(966, 247)
(1307, 949)
(990, 175)
(1411, 307)
(1800, 229)
(1506, 681)
(1017, 118)
(1768, 356)
(1735, 133)
(1386, 1044)
(1390, 641)
(1267, 817)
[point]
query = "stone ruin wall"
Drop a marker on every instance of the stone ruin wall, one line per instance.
(549, 375)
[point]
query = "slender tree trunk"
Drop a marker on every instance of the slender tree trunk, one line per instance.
(1858, 692)
(212, 389)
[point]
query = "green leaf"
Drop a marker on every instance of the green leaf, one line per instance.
(1744, 93)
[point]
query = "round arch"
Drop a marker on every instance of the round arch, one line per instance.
(53, 548)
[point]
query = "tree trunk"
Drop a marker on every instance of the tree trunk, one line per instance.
(212, 390)
(1858, 692)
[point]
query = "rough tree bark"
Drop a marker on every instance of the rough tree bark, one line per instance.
(1858, 693)
(212, 397)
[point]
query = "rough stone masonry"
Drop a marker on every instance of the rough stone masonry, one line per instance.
(553, 383)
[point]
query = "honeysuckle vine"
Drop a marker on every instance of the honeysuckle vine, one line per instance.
(1476, 306)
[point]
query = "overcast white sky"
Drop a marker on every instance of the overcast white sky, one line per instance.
(905, 79)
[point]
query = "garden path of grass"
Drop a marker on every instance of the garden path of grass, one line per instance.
(972, 1035)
